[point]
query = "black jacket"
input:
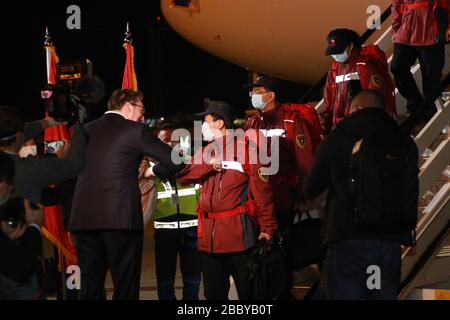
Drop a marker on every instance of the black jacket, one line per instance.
(107, 194)
(19, 258)
(33, 174)
(330, 170)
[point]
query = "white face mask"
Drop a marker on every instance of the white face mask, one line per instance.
(28, 151)
(208, 135)
(342, 57)
(257, 102)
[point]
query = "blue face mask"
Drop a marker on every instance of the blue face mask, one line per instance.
(342, 57)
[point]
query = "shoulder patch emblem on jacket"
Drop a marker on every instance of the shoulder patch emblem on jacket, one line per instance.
(377, 81)
(301, 140)
(262, 176)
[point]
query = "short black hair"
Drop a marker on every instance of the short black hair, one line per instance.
(121, 96)
(227, 122)
(6, 168)
(167, 126)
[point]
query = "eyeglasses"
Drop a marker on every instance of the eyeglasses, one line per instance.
(139, 106)
(251, 93)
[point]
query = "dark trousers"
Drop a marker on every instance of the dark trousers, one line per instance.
(119, 251)
(28, 290)
(217, 268)
(285, 220)
(168, 244)
(432, 60)
(349, 270)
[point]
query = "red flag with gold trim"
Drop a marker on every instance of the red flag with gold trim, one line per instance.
(130, 82)
(129, 75)
(53, 226)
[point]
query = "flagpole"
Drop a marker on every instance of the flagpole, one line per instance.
(55, 133)
(48, 44)
(129, 76)
(51, 57)
(48, 38)
(127, 38)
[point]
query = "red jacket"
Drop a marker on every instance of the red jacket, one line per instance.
(224, 191)
(297, 147)
(415, 26)
(371, 73)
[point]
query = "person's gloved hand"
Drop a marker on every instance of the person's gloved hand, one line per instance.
(265, 236)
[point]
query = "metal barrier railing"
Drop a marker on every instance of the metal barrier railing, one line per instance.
(434, 127)
(428, 228)
(437, 213)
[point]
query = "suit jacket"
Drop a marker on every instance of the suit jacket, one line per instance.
(107, 194)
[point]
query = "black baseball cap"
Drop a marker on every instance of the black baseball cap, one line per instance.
(339, 39)
(220, 109)
(265, 81)
(10, 124)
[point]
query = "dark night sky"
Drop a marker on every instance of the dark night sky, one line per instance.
(173, 74)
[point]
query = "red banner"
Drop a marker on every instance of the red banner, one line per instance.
(129, 75)
(53, 226)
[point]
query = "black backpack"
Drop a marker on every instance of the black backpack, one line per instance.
(384, 182)
(304, 243)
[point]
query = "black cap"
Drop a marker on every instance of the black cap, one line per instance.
(10, 124)
(339, 39)
(219, 108)
(265, 81)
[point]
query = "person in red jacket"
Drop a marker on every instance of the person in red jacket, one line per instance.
(354, 68)
(420, 30)
(298, 130)
(235, 208)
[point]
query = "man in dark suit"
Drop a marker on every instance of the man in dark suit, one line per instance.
(106, 215)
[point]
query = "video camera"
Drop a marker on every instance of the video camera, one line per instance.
(72, 105)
